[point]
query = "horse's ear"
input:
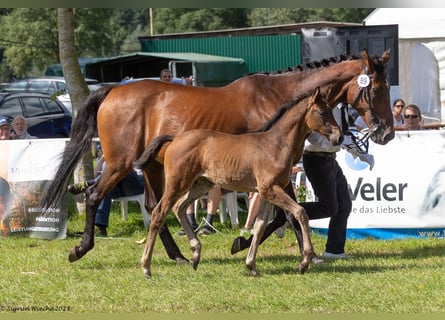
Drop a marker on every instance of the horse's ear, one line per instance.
(386, 56)
(367, 61)
(317, 94)
(314, 98)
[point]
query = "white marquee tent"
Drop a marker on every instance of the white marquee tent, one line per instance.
(421, 55)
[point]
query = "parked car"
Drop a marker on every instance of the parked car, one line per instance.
(50, 85)
(46, 116)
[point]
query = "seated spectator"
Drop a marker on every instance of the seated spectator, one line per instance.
(397, 108)
(166, 75)
(21, 128)
(5, 128)
(413, 117)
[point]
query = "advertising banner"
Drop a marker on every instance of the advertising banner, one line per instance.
(25, 168)
(403, 195)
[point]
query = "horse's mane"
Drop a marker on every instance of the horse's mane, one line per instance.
(311, 65)
(279, 114)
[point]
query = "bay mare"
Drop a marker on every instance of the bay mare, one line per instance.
(260, 162)
(128, 117)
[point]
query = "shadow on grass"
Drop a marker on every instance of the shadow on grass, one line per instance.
(361, 262)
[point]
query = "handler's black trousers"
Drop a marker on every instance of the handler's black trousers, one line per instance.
(334, 200)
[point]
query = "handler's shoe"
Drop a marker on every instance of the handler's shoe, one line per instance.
(101, 231)
(318, 260)
(206, 230)
(329, 255)
(239, 244)
(78, 188)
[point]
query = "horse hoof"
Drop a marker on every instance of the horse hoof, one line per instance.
(254, 273)
(73, 255)
(302, 268)
(236, 246)
(194, 264)
(147, 273)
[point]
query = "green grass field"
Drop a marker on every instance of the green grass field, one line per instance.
(403, 276)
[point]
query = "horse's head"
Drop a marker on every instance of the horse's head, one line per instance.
(319, 118)
(368, 93)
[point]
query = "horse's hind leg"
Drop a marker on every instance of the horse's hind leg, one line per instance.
(199, 188)
(158, 217)
(195, 245)
(87, 242)
(154, 188)
(94, 195)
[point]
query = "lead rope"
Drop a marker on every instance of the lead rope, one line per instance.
(360, 144)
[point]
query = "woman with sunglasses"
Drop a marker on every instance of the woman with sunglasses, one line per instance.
(412, 117)
(397, 108)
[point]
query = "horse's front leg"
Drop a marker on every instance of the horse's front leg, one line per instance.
(279, 197)
(87, 242)
(258, 230)
(308, 250)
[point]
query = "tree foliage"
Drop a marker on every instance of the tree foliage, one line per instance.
(275, 16)
(173, 20)
(29, 35)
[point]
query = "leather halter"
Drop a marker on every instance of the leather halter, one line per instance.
(360, 139)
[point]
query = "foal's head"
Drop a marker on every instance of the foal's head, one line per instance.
(319, 118)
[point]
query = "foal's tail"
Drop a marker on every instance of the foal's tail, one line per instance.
(83, 130)
(152, 150)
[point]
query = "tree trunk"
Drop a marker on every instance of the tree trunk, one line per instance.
(77, 87)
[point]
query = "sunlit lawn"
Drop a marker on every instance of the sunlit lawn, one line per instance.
(403, 276)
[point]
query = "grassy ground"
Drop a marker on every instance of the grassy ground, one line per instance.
(404, 276)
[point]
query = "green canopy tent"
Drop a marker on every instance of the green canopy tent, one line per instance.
(205, 70)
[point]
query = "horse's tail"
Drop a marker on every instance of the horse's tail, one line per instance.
(83, 130)
(152, 150)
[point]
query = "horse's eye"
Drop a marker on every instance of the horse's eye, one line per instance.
(323, 114)
(376, 90)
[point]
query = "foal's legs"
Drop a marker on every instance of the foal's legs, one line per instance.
(170, 199)
(154, 184)
(157, 220)
(180, 209)
(278, 197)
(240, 243)
(200, 187)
